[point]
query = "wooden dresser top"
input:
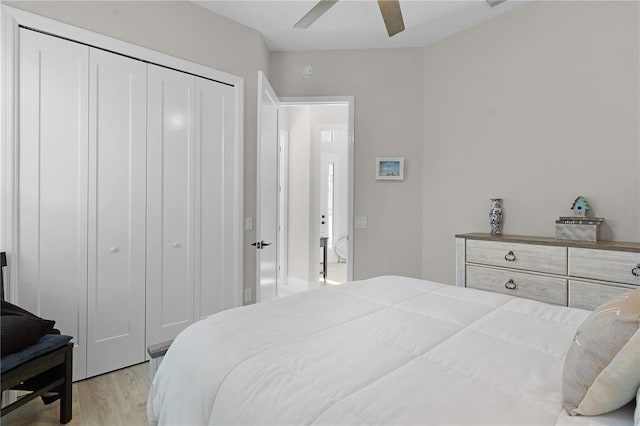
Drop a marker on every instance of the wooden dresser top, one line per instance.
(550, 241)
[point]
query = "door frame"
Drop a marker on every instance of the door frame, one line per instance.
(282, 266)
(350, 102)
(10, 20)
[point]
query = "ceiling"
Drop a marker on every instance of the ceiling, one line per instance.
(355, 24)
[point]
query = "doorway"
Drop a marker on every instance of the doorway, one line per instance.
(305, 171)
(318, 195)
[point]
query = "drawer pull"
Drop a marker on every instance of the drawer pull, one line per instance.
(510, 285)
(510, 257)
(636, 271)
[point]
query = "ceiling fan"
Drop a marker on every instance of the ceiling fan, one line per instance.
(390, 9)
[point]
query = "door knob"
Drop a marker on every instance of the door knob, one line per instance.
(114, 249)
(260, 244)
(175, 245)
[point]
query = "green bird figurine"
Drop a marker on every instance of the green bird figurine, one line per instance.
(580, 206)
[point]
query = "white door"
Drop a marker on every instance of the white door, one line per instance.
(267, 189)
(117, 195)
(215, 189)
(170, 202)
(52, 190)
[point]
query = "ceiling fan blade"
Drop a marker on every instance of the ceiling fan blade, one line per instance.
(316, 11)
(392, 16)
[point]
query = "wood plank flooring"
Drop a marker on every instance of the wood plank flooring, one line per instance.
(117, 398)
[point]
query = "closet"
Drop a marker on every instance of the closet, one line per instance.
(126, 195)
(190, 198)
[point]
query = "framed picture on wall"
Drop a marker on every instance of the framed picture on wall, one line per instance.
(390, 168)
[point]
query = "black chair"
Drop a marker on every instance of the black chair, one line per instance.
(44, 368)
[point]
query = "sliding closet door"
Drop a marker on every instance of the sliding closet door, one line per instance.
(52, 188)
(170, 203)
(117, 196)
(215, 188)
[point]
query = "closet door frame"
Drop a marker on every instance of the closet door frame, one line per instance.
(11, 19)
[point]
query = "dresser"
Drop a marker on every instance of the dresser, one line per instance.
(578, 274)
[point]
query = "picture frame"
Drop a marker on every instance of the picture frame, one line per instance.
(390, 168)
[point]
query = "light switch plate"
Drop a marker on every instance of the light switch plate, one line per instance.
(248, 223)
(361, 222)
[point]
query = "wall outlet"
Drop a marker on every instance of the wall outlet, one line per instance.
(360, 222)
(248, 295)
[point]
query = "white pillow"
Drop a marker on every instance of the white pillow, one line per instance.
(601, 370)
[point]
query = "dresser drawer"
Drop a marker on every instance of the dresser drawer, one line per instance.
(519, 284)
(531, 257)
(606, 265)
(591, 295)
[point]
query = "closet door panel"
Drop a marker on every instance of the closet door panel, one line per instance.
(117, 194)
(215, 189)
(52, 188)
(170, 209)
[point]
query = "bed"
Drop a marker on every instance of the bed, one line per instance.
(388, 350)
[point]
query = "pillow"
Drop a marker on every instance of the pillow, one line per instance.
(601, 370)
(17, 332)
(11, 309)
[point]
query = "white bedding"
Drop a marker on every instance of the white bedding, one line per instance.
(389, 350)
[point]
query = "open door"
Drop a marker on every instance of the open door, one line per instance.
(267, 191)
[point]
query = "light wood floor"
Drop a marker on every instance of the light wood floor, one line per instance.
(117, 398)
(336, 273)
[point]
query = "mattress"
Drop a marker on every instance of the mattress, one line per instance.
(388, 350)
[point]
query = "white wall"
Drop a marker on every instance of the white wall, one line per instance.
(387, 86)
(299, 122)
(537, 106)
(188, 31)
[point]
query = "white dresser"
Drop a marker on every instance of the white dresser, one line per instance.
(579, 274)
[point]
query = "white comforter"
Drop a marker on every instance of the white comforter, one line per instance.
(389, 350)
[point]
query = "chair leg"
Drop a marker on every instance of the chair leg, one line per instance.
(66, 396)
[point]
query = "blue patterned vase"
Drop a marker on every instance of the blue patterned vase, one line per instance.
(495, 215)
